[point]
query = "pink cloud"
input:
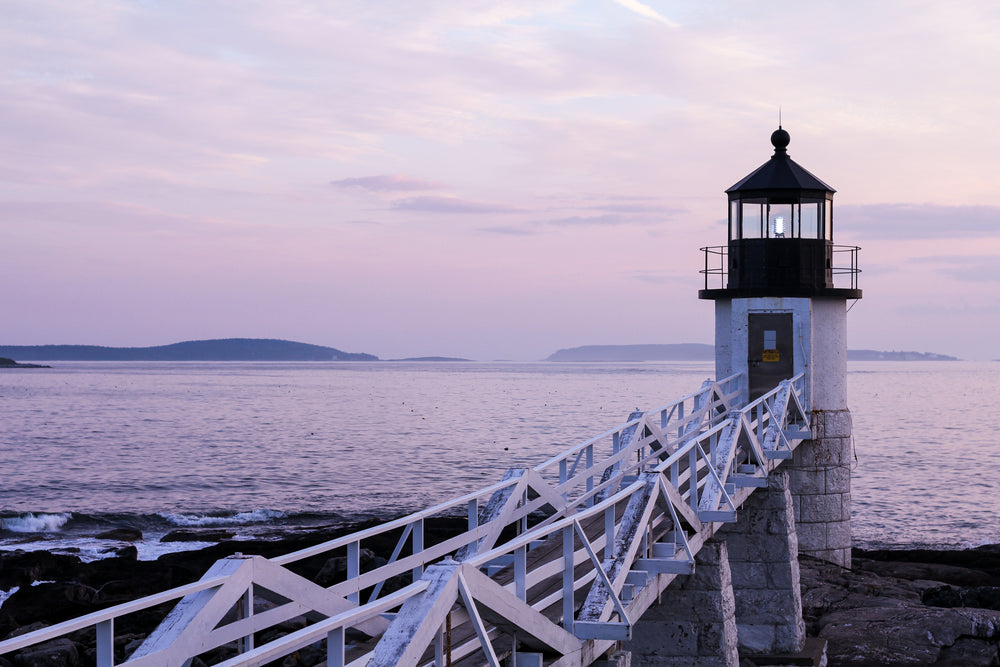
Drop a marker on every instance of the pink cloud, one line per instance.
(451, 205)
(387, 183)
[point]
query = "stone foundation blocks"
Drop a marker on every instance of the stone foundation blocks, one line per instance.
(695, 626)
(765, 571)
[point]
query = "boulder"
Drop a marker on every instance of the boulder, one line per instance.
(56, 653)
(121, 534)
(876, 615)
(22, 568)
(906, 635)
(982, 597)
(189, 535)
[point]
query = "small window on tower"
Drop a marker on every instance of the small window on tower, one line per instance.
(770, 340)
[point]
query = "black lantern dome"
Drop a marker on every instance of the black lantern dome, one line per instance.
(780, 235)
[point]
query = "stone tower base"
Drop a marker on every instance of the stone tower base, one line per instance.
(820, 476)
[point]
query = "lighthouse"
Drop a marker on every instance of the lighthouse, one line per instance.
(778, 313)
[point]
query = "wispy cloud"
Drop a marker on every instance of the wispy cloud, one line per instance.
(915, 221)
(450, 205)
(605, 220)
(387, 183)
(966, 268)
(646, 11)
(511, 230)
(658, 209)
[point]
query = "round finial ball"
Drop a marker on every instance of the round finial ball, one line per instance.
(780, 138)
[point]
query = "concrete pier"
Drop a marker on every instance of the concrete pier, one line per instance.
(695, 625)
(763, 559)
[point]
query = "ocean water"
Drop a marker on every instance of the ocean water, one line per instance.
(260, 447)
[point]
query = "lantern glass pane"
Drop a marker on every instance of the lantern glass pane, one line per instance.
(810, 220)
(751, 220)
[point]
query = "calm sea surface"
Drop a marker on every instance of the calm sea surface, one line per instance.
(88, 446)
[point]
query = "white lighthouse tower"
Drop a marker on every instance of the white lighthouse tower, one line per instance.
(778, 314)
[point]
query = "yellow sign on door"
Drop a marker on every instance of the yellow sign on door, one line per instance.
(771, 355)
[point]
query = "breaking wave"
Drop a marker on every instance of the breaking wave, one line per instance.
(35, 523)
(241, 518)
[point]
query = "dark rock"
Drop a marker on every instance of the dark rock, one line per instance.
(334, 570)
(121, 534)
(129, 552)
(903, 635)
(980, 563)
(56, 653)
(965, 652)
(52, 602)
(188, 535)
(876, 615)
(308, 656)
(943, 596)
(982, 597)
(25, 629)
(22, 568)
(943, 572)
(129, 643)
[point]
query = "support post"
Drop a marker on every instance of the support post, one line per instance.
(696, 622)
(763, 559)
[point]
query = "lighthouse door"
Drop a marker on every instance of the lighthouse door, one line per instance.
(770, 351)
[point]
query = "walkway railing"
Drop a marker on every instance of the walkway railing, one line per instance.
(558, 561)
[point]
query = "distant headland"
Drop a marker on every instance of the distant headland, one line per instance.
(225, 349)
(431, 359)
(10, 363)
(652, 352)
(268, 349)
(703, 352)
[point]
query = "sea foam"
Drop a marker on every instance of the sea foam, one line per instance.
(6, 594)
(198, 520)
(35, 523)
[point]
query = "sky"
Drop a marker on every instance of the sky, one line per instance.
(489, 180)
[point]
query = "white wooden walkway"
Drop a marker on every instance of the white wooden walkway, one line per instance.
(558, 562)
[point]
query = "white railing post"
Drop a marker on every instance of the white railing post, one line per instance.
(439, 647)
(335, 647)
(590, 476)
(473, 513)
(106, 643)
(568, 579)
(354, 569)
(418, 546)
(693, 478)
(521, 572)
(244, 609)
(609, 532)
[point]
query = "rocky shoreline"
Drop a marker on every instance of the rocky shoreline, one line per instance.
(894, 607)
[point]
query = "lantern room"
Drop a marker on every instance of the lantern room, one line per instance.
(780, 236)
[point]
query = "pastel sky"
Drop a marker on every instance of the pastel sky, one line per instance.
(492, 180)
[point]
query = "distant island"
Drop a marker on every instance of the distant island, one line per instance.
(703, 352)
(669, 352)
(267, 349)
(10, 363)
(431, 359)
(875, 355)
(226, 349)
